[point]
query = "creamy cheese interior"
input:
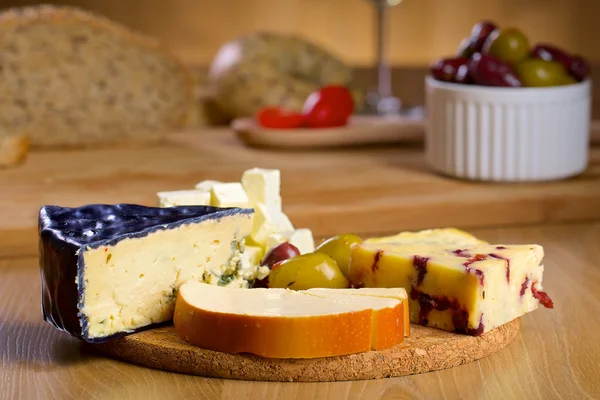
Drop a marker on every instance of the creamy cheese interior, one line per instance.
(133, 283)
(276, 302)
(430, 236)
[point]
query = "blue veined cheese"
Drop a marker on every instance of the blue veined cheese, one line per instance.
(183, 198)
(111, 269)
(263, 186)
(250, 262)
(228, 195)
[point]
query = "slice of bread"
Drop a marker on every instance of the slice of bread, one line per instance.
(73, 78)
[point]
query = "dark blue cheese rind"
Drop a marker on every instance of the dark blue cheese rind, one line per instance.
(108, 270)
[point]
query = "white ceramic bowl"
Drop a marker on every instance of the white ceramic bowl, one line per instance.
(507, 134)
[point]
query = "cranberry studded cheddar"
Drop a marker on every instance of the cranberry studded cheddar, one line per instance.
(469, 289)
(112, 269)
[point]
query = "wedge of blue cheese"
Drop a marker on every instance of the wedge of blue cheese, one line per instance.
(112, 269)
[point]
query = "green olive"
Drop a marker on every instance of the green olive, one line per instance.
(339, 248)
(509, 45)
(312, 270)
(536, 72)
(567, 80)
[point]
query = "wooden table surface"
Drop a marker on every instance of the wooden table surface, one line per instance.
(556, 354)
(363, 190)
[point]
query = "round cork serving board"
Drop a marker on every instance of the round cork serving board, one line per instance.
(425, 350)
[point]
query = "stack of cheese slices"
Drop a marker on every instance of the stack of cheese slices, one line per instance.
(283, 323)
(259, 189)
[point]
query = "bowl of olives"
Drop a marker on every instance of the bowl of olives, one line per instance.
(503, 109)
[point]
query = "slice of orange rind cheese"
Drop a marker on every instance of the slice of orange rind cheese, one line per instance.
(281, 323)
(393, 293)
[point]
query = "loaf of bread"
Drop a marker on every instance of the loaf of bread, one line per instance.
(262, 69)
(73, 78)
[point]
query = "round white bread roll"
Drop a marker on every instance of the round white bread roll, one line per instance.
(13, 149)
(263, 69)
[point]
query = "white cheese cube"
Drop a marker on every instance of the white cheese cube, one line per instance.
(268, 221)
(206, 186)
(276, 239)
(301, 238)
(183, 198)
(263, 186)
(228, 195)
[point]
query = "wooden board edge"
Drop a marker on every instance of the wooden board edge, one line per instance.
(409, 131)
(363, 132)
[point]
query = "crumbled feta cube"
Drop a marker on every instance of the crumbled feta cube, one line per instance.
(183, 198)
(263, 186)
(275, 239)
(228, 195)
(301, 238)
(206, 186)
(268, 221)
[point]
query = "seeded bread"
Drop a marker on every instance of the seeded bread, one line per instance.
(71, 78)
(262, 69)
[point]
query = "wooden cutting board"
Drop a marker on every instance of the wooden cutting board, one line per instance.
(426, 350)
(367, 190)
(361, 130)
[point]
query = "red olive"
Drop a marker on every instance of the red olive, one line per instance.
(276, 255)
(474, 43)
(466, 48)
(480, 33)
(579, 68)
(445, 69)
(487, 70)
(281, 252)
(551, 53)
(462, 75)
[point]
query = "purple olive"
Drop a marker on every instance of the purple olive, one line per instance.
(446, 69)
(487, 70)
(281, 252)
(466, 48)
(480, 33)
(579, 68)
(551, 53)
(462, 75)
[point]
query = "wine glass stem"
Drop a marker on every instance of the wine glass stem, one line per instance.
(383, 68)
